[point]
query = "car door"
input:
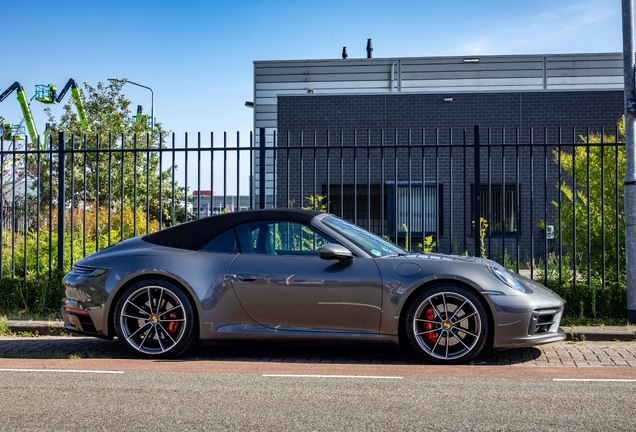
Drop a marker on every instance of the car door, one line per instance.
(282, 283)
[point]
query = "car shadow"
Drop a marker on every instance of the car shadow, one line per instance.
(82, 347)
(349, 355)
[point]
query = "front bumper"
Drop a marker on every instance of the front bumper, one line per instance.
(530, 341)
(527, 320)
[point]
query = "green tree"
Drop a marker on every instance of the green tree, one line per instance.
(111, 174)
(594, 208)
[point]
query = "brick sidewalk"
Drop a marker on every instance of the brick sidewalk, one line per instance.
(574, 354)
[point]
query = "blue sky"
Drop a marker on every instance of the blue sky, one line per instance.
(198, 55)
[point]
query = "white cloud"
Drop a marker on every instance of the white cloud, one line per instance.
(589, 26)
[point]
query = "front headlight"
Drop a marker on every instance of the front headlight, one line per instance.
(501, 274)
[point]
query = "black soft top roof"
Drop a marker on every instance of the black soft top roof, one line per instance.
(197, 233)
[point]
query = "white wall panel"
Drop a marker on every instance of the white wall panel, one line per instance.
(430, 75)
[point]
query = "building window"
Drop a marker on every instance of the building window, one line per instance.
(499, 208)
(365, 210)
(425, 204)
(382, 210)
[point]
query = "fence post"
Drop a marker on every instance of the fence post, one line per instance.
(261, 170)
(61, 174)
(477, 192)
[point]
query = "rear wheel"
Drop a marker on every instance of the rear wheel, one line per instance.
(447, 325)
(154, 319)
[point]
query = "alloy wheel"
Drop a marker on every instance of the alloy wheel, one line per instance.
(448, 326)
(152, 320)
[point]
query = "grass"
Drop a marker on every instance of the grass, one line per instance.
(24, 334)
(30, 316)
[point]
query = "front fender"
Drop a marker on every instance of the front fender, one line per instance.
(398, 291)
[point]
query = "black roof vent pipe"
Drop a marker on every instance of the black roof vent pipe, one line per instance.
(369, 49)
(344, 53)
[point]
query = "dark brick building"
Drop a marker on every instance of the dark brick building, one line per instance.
(407, 154)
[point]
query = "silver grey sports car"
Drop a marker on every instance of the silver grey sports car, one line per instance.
(294, 275)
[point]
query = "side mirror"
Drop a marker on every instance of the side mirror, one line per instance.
(333, 251)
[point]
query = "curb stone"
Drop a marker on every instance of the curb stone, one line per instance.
(38, 327)
(601, 333)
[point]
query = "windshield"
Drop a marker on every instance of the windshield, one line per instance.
(371, 243)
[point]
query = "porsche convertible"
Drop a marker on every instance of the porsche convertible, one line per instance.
(291, 276)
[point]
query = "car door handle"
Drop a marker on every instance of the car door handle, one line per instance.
(248, 277)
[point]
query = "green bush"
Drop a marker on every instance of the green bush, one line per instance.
(590, 221)
(31, 285)
(585, 300)
(31, 297)
(588, 214)
(592, 301)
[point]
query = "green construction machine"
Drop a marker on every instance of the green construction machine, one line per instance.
(47, 93)
(10, 131)
(142, 118)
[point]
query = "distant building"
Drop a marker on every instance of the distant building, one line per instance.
(207, 203)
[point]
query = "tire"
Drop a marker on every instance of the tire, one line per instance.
(154, 319)
(447, 325)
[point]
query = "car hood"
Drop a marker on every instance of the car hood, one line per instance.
(439, 257)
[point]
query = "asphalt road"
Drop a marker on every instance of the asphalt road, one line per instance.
(134, 400)
(61, 383)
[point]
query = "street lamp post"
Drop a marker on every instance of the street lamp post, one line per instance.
(629, 192)
(152, 97)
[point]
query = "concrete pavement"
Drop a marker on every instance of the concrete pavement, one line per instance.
(558, 354)
(609, 346)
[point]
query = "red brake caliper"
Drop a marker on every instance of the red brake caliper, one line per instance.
(429, 315)
(172, 327)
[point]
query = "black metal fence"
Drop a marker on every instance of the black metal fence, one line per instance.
(544, 202)
(547, 201)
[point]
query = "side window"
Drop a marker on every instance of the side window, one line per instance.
(291, 238)
(270, 238)
(226, 242)
(246, 237)
(251, 238)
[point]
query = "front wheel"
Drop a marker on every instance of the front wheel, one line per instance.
(447, 325)
(154, 319)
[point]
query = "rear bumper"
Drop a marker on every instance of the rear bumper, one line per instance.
(80, 323)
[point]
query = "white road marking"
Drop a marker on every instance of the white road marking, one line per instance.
(331, 376)
(62, 371)
(593, 380)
